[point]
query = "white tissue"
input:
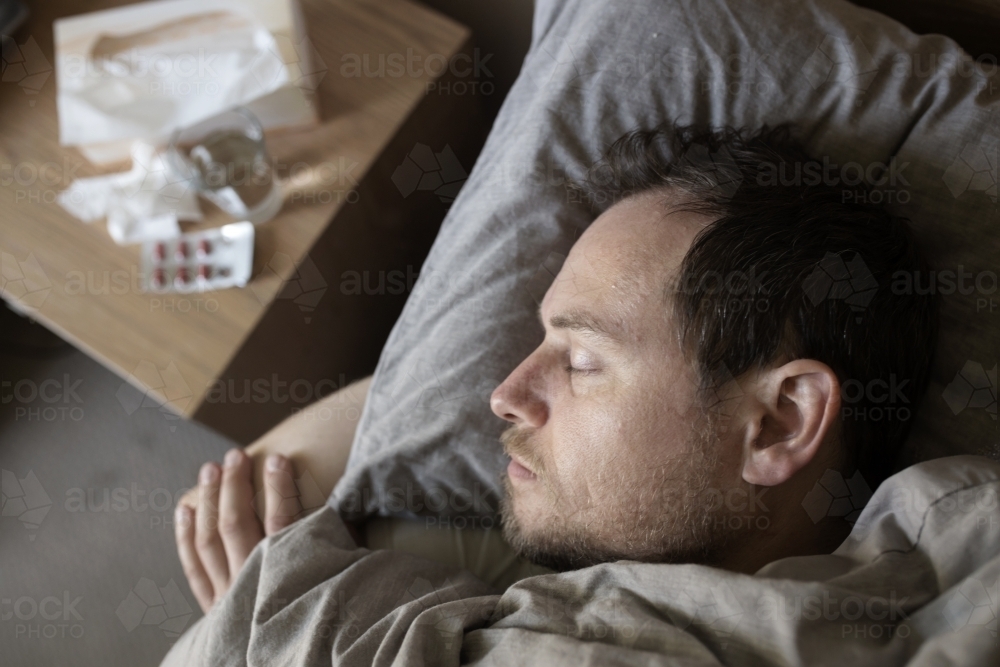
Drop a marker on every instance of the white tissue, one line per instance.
(144, 84)
(143, 203)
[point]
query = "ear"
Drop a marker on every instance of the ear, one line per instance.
(792, 410)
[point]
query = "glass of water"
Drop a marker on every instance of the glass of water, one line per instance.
(229, 165)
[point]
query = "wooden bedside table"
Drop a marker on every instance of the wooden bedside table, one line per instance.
(331, 271)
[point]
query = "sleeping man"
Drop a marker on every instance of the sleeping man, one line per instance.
(698, 341)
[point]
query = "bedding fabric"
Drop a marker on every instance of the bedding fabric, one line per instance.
(862, 89)
(917, 582)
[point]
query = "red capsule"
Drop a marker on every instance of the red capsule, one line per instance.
(182, 277)
(158, 278)
(182, 251)
(204, 248)
(159, 251)
(204, 272)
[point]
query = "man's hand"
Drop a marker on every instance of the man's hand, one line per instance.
(216, 527)
(215, 538)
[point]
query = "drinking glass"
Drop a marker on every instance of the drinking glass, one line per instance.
(229, 165)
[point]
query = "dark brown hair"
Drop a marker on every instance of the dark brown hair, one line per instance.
(791, 267)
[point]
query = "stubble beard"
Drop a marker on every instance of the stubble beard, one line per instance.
(666, 518)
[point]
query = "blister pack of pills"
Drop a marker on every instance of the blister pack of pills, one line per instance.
(212, 259)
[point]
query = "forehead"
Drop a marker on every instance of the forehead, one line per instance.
(621, 264)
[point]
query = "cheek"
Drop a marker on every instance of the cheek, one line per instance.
(589, 447)
(627, 439)
(664, 405)
(622, 432)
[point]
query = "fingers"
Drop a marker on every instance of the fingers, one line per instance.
(281, 495)
(207, 541)
(238, 527)
(184, 529)
(216, 528)
(190, 499)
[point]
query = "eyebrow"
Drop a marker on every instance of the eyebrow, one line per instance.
(583, 322)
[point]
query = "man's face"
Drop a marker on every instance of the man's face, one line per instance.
(612, 456)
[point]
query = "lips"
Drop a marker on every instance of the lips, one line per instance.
(517, 470)
(517, 445)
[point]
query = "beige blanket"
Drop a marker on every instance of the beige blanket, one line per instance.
(915, 583)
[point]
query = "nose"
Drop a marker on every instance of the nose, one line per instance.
(520, 398)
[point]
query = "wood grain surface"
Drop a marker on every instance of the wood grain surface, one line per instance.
(178, 348)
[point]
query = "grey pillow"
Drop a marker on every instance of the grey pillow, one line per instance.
(861, 87)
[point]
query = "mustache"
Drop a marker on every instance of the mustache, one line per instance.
(517, 444)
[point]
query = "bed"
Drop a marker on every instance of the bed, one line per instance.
(917, 580)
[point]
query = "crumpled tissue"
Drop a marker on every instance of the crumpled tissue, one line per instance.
(143, 203)
(144, 84)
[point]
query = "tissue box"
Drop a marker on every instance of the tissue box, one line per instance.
(139, 72)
